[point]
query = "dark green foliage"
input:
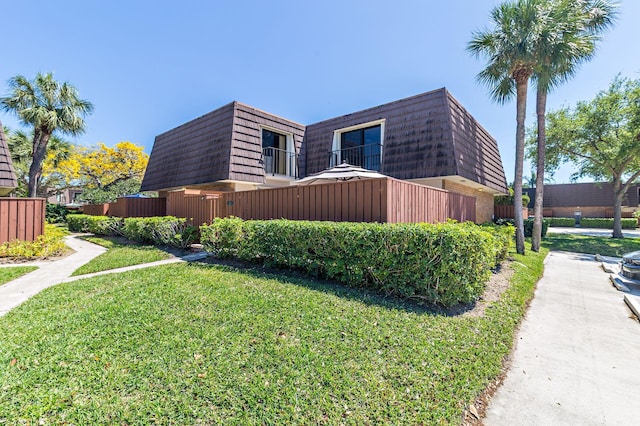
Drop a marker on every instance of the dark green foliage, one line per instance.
(603, 223)
(99, 225)
(112, 192)
(56, 213)
(562, 221)
(504, 233)
(165, 230)
(593, 222)
(443, 263)
(528, 226)
(507, 200)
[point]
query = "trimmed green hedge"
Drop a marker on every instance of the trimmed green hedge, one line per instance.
(592, 222)
(99, 225)
(165, 230)
(443, 263)
(561, 221)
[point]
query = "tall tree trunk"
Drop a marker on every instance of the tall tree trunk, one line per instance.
(541, 108)
(618, 195)
(521, 112)
(40, 142)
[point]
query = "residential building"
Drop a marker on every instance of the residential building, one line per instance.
(67, 197)
(429, 139)
(591, 199)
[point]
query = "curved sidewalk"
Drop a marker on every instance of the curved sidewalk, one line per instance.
(577, 359)
(48, 274)
(17, 291)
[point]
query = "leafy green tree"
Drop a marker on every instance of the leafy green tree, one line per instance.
(510, 50)
(111, 192)
(602, 138)
(47, 106)
(568, 34)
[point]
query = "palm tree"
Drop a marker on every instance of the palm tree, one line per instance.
(567, 39)
(48, 106)
(510, 50)
(20, 144)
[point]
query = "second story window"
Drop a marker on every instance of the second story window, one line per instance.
(278, 153)
(359, 145)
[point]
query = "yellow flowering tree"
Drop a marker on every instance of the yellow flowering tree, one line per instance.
(106, 173)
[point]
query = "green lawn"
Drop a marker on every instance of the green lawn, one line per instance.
(202, 344)
(604, 246)
(12, 272)
(121, 253)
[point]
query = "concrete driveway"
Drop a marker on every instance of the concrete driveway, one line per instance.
(577, 359)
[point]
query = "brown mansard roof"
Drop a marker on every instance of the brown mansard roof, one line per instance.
(427, 135)
(225, 144)
(8, 181)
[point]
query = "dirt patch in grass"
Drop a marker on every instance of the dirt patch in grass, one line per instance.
(497, 285)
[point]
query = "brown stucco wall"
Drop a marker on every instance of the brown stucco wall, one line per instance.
(484, 200)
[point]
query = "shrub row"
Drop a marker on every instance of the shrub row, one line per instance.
(165, 230)
(51, 243)
(528, 226)
(627, 223)
(562, 221)
(55, 213)
(592, 222)
(443, 263)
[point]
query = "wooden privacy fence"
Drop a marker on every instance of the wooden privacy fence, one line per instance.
(95, 209)
(197, 206)
(21, 218)
(138, 207)
(128, 207)
(508, 212)
(372, 200)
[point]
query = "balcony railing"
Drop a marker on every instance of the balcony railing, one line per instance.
(365, 156)
(280, 162)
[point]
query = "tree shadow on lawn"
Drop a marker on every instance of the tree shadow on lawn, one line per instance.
(605, 246)
(118, 241)
(359, 294)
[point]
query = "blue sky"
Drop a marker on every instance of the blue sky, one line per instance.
(148, 66)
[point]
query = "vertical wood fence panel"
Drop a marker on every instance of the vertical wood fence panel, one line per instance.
(508, 212)
(462, 208)
(128, 207)
(96, 209)
(372, 200)
(375, 200)
(21, 218)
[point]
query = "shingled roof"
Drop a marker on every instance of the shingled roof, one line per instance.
(8, 181)
(221, 146)
(427, 135)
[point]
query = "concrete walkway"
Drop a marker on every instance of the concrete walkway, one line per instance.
(48, 274)
(577, 360)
